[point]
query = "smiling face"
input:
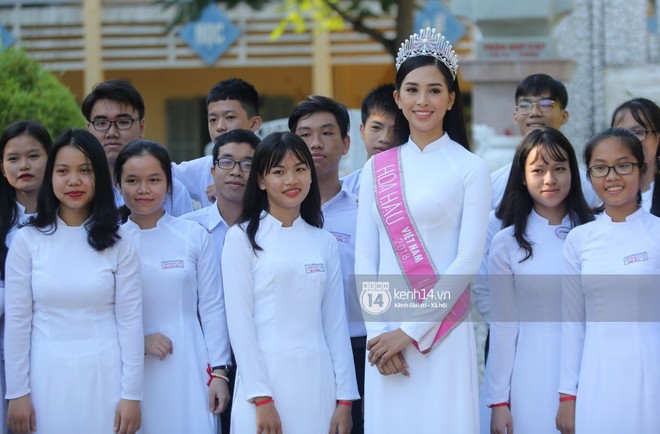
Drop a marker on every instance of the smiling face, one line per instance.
(24, 163)
(287, 185)
(378, 133)
(424, 99)
(144, 188)
(619, 193)
(548, 182)
(73, 184)
(321, 134)
(231, 183)
(228, 114)
(537, 118)
(114, 139)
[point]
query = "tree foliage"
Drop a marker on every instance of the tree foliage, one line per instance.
(325, 14)
(29, 91)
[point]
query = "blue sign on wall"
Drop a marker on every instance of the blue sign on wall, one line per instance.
(436, 15)
(211, 35)
(6, 39)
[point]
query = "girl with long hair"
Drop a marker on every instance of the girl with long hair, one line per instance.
(285, 302)
(610, 330)
(421, 227)
(525, 283)
(73, 338)
(24, 148)
(184, 315)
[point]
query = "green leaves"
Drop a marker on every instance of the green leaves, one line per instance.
(29, 91)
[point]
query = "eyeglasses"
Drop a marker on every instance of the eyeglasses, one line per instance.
(105, 124)
(642, 134)
(228, 164)
(601, 170)
(525, 107)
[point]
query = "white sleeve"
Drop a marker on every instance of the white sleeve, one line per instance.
(367, 249)
(573, 319)
(504, 320)
(18, 317)
(237, 256)
(211, 303)
(424, 323)
(335, 329)
(128, 313)
(480, 283)
(195, 175)
(181, 203)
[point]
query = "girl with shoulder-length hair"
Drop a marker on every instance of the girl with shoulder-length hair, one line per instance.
(24, 148)
(74, 304)
(543, 202)
(184, 314)
(610, 324)
(284, 295)
(421, 228)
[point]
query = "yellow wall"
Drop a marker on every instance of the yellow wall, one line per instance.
(351, 84)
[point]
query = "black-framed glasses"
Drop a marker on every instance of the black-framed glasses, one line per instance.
(642, 134)
(228, 164)
(525, 107)
(602, 170)
(105, 124)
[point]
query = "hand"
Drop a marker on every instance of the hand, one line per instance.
(385, 346)
(158, 345)
(218, 389)
(395, 365)
(268, 419)
(501, 421)
(128, 418)
(211, 193)
(565, 420)
(341, 422)
(20, 415)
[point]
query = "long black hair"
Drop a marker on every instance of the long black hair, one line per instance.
(103, 222)
(517, 203)
(138, 148)
(453, 123)
(269, 153)
(8, 209)
(627, 139)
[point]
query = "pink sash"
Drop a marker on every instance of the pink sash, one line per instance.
(415, 263)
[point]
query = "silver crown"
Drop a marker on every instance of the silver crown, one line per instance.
(428, 43)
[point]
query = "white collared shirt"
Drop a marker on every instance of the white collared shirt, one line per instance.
(340, 219)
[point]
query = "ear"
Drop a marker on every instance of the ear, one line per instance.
(564, 117)
(397, 100)
(260, 181)
(255, 123)
(142, 123)
(452, 98)
(362, 132)
(347, 144)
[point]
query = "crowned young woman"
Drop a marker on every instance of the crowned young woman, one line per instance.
(421, 227)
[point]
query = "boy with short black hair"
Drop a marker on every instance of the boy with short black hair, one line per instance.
(115, 110)
(231, 104)
(377, 127)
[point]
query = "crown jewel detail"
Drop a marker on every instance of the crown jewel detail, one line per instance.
(428, 42)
